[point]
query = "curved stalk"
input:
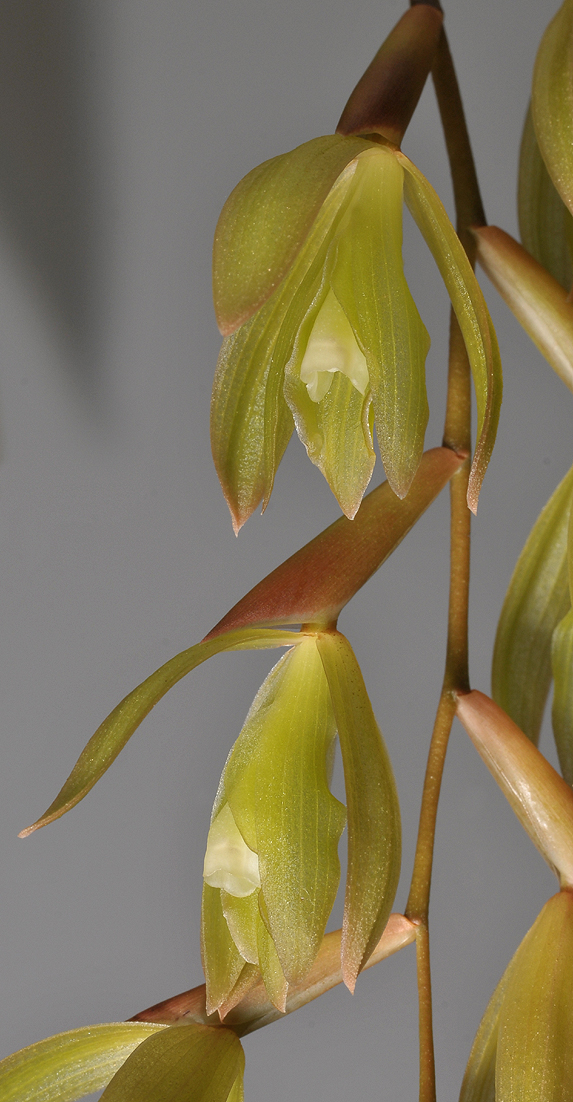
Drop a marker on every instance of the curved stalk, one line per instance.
(469, 210)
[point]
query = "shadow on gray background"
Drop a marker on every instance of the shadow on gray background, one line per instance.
(49, 184)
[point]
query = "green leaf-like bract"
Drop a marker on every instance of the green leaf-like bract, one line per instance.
(184, 1063)
(71, 1065)
(536, 600)
(372, 808)
(117, 729)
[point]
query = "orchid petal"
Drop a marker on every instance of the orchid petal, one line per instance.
(372, 807)
(535, 602)
(71, 1065)
(545, 224)
(267, 219)
(470, 309)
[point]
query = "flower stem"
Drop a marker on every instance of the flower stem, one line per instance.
(457, 428)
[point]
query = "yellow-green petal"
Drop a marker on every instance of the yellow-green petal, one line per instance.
(479, 1079)
(117, 729)
(372, 807)
(535, 602)
(534, 1050)
(250, 421)
(368, 281)
(71, 1065)
(266, 220)
(222, 962)
(562, 709)
(545, 224)
(276, 782)
(274, 979)
(242, 916)
(185, 1063)
(470, 309)
(335, 430)
(552, 101)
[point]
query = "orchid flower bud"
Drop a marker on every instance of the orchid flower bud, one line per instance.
(320, 328)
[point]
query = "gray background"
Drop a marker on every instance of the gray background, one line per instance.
(123, 127)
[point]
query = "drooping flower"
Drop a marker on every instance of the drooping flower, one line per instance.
(271, 864)
(320, 327)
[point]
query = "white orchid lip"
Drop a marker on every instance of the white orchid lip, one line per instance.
(332, 347)
(229, 863)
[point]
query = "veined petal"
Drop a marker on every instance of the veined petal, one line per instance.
(71, 1065)
(276, 784)
(267, 219)
(273, 977)
(534, 1050)
(222, 961)
(540, 798)
(250, 421)
(470, 309)
(545, 224)
(552, 101)
(535, 602)
(326, 381)
(372, 805)
(368, 281)
(533, 295)
(562, 709)
(186, 1062)
(117, 729)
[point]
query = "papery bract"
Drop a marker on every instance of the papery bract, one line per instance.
(540, 798)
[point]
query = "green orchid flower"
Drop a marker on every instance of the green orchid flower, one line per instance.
(271, 865)
(321, 331)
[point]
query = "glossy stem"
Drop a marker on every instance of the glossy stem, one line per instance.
(457, 435)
